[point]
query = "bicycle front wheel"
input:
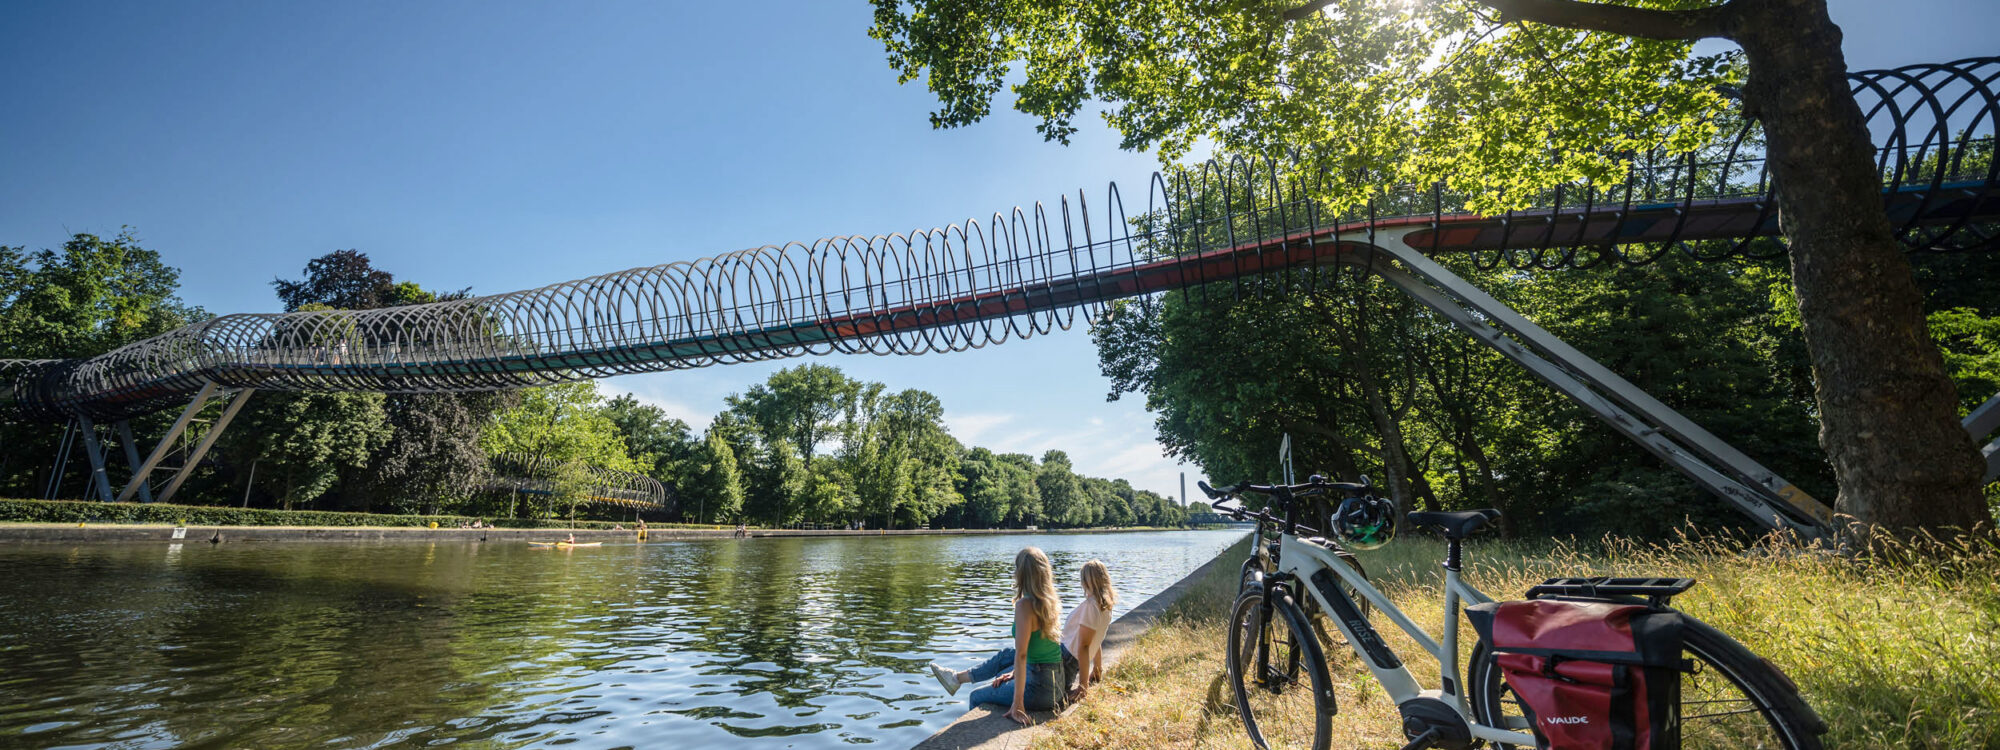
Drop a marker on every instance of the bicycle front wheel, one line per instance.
(1278, 674)
(1734, 699)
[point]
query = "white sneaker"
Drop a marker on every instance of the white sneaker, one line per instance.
(945, 677)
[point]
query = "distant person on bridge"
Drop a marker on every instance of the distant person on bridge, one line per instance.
(1030, 676)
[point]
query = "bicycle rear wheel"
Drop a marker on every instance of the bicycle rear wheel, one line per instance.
(1278, 674)
(1734, 699)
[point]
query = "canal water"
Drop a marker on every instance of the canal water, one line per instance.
(757, 643)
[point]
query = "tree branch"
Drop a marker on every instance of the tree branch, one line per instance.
(1306, 10)
(1645, 23)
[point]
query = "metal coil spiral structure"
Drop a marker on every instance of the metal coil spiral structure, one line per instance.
(1030, 271)
(522, 472)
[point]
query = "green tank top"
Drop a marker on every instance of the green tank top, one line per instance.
(1041, 650)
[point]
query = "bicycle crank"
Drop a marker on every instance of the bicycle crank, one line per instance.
(1432, 723)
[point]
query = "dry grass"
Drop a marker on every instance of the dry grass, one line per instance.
(1896, 651)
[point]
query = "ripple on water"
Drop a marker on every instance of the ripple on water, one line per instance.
(779, 643)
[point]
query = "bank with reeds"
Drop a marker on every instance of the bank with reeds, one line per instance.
(1898, 650)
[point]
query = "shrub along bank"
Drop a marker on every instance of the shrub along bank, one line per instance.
(1896, 651)
(84, 511)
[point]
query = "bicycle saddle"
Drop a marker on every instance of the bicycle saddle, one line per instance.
(1456, 524)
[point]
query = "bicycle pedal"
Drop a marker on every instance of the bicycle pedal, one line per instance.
(1423, 741)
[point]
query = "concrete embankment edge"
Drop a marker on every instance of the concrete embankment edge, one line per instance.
(72, 533)
(987, 728)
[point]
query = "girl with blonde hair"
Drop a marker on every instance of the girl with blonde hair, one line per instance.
(1083, 630)
(1034, 665)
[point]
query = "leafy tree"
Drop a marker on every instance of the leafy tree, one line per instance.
(343, 280)
(801, 405)
(1062, 495)
(656, 440)
(713, 483)
(432, 461)
(662, 445)
(92, 296)
(1971, 345)
(299, 442)
(1500, 100)
(564, 428)
(982, 481)
(1024, 494)
(774, 483)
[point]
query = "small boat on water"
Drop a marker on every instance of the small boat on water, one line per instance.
(565, 545)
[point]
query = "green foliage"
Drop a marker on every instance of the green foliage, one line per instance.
(662, 446)
(890, 463)
(92, 296)
(1971, 347)
(563, 428)
(801, 405)
(433, 459)
(78, 511)
(299, 442)
(344, 280)
(713, 482)
(1368, 383)
(1390, 92)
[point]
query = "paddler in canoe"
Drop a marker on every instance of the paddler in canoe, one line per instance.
(568, 542)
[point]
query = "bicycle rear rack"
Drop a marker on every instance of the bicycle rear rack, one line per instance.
(1659, 590)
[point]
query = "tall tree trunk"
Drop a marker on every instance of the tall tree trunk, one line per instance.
(1888, 412)
(1395, 455)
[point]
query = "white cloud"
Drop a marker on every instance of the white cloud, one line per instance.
(696, 419)
(973, 429)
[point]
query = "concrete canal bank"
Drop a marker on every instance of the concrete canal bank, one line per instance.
(157, 533)
(988, 728)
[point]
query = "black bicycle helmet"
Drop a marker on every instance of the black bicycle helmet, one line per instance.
(1365, 522)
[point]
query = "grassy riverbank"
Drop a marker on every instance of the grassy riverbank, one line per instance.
(1891, 654)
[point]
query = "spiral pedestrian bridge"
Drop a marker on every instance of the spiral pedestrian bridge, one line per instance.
(1029, 271)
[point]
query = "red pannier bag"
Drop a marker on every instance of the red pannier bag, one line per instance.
(1593, 675)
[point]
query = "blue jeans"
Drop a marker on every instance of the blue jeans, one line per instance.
(1044, 683)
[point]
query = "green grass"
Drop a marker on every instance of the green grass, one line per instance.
(84, 511)
(1896, 650)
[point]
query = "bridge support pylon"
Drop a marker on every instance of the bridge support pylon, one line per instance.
(100, 482)
(132, 457)
(1983, 421)
(233, 402)
(1711, 462)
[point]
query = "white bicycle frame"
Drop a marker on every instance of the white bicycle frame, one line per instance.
(1302, 560)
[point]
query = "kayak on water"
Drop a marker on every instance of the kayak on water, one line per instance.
(565, 544)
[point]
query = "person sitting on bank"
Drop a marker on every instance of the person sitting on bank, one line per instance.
(1028, 676)
(1083, 631)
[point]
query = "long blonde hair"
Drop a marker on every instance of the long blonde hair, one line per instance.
(1035, 582)
(1097, 584)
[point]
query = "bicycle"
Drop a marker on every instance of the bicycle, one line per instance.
(1263, 561)
(1277, 665)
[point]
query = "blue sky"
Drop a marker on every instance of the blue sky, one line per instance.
(506, 145)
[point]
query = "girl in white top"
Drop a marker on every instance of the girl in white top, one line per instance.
(1083, 630)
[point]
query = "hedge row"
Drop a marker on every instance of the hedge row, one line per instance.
(84, 511)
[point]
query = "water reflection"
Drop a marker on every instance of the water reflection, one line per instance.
(762, 643)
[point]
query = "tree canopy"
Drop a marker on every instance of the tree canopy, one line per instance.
(1499, 101)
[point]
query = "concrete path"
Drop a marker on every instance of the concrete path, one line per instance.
(988, 728)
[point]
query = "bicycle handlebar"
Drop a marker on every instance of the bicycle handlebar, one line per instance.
(1313, 486)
